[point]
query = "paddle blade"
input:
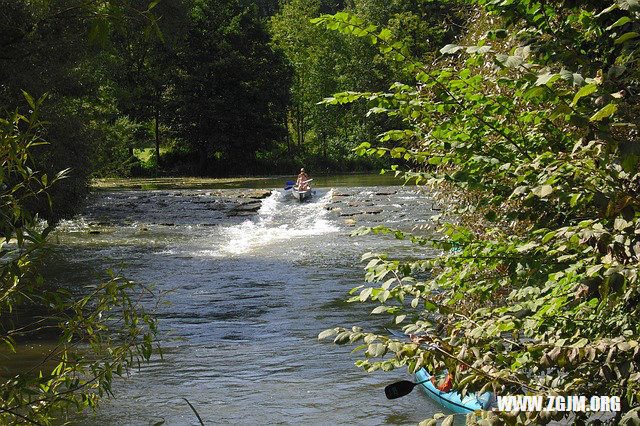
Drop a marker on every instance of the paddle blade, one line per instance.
(289, 183)
(398, 389)
(288, 188)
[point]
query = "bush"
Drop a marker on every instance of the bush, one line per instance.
(100, 334)
(530, 131)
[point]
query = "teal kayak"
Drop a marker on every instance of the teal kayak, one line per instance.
(452, 399)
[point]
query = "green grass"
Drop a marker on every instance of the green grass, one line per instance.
(145, 154)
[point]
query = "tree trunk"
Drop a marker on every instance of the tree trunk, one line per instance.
(298, 126)
(287, 135)
(157, 117)
(324, 143)
(301, 132)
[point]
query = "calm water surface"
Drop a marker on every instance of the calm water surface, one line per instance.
(250, 295)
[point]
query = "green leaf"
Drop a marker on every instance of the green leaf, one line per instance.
(546, 79)
(605, 112)
(626, 37)
(620, 22)
(608, 10)
(377, 350)
(584, 91)
(450, 49)
(342, 338)
(385, 34)
(508, 61)
(429, 306)
(29, 99)
(616, 71)
(327, 333)
(574, 78)
(574, 199)
(478, 50)
(527, 247)
(506, 326)
(543, 190)
(380, 309)
(560, 110)
(548, 236)
(364, 294)
(153, 4)
(594, 269)
(372, 263)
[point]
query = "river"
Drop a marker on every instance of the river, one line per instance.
(255, 276)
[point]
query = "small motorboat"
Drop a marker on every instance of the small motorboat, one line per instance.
(452, 399)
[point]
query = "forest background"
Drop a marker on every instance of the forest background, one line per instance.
(210, 88)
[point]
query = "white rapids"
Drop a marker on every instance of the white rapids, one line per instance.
(279, 220)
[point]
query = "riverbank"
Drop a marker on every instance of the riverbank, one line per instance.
(255, 182)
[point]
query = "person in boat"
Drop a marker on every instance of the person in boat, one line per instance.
(445, 386)
(302, 183)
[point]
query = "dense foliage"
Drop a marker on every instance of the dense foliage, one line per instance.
(97, 334)
(325, 62)
(194, 87)
(232, 91)
(529, 126)
(41, 48)
(198, 78)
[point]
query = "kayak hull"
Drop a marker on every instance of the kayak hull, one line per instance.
(453, 400)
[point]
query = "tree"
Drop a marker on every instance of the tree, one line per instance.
(48, 47)
(107, 330)
(100, 334)
(143, 68)
(325, 63)
(233, 87)
(530, 127)
(42, 47)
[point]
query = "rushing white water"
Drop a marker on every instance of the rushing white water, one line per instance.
(279, 219)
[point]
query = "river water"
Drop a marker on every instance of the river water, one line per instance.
(255, 276)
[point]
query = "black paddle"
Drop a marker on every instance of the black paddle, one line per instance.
(401, 388)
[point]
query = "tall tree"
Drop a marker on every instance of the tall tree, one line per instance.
(233, 86)
(41, 49)
(325, 63)
(105, 331)
(144, 68)
(293, 32)
(51, 47)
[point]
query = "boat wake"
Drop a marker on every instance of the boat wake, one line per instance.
(279, 220)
